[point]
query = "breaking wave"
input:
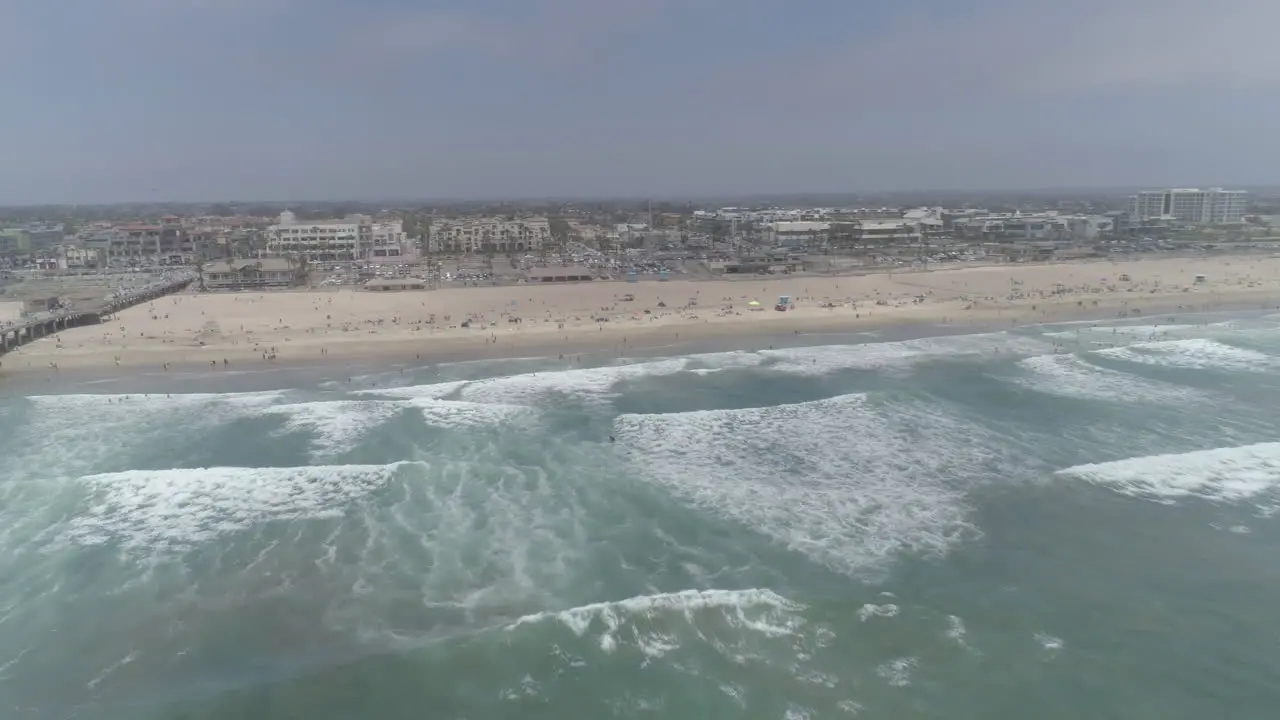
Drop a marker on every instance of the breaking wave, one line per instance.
(1222, 474)
(181, 508)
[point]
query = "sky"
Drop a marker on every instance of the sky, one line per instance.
(211, 100)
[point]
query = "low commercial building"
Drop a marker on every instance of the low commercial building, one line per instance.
(40, 305)
(394, 284)
(559, 275)
(867, 234)
(750, 265)
(797, 233)
(251, 274)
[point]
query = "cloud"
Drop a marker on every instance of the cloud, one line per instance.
(548, 32)
(1051, 48)
(1162, 45)
(398, 37)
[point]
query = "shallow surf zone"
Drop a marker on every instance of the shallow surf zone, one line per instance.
(597, 386)
(848, 482)
(1124, 333)
(67, 435)
(1231, 474)
(899, 356)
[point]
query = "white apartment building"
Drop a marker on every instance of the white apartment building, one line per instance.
(356, 237)
(475, 235)
(1212, 206)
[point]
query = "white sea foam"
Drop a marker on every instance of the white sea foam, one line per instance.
(1051, 645)
(825, 359)
(583, 383)
(1196, 353)
(1072, 376)
(870, 610)
(599, 383)
(579, 619)
(483, 540)
(898, 672)
(1222, 474)
(956, 630)
(436, 390)
(845, 482)
(797, 712)
(338, 425)
(462, 414)
(86, 401)
(1124, 332)
(727, 360)
(760, 611)
(181, 508)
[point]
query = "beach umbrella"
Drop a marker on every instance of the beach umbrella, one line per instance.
(754, 303)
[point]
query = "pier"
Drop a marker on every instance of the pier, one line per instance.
(44, 324)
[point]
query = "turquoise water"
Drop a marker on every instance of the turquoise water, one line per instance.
(1055, 522)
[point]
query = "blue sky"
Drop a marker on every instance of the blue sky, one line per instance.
(137, 100)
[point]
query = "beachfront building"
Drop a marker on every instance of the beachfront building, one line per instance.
(386, 240)
(1212, 206)
(480, 235)
(862, 235)
(320, 240)
(1013, 227)
(250, 274)
(163, 243)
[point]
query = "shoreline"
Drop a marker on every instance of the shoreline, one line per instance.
(302, 331)
(588, 354)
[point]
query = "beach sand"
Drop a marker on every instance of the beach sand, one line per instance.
(240, 330)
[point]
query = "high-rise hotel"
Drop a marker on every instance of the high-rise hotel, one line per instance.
(1213, 206)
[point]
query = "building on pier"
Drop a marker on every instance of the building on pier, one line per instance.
(251, 274)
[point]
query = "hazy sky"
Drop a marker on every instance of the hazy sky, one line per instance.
(114, 100)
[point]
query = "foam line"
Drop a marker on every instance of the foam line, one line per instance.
(435, 390)
(579, 618)
(825, 359)
(1071, 376)
(338, 425)
(1197, 353)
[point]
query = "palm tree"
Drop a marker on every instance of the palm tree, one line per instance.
(200, 270)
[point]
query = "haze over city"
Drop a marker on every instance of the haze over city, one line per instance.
(160, 100)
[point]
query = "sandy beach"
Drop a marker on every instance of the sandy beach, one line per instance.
(239, 330)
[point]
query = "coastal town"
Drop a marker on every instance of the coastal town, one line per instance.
(464, 269)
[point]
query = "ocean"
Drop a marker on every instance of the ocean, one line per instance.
(1063, 521)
